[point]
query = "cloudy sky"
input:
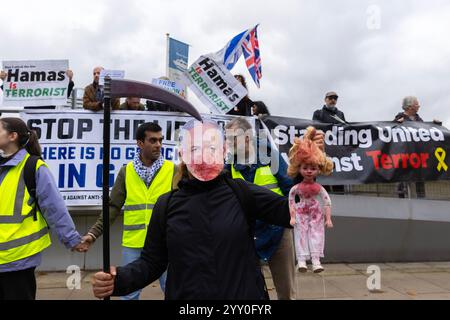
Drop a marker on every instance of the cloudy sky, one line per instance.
(372, 53)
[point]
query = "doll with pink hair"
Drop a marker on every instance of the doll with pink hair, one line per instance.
(313, 210)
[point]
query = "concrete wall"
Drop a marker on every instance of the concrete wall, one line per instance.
(356, 240)
(366, 229)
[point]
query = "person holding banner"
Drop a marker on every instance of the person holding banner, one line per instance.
(30, 205)
(2, 77)
(138, 186)
(274, 244)
(244, 107)
(93, 94)
(330, 113)
(260, 109)
(410, 106)
(202, 232)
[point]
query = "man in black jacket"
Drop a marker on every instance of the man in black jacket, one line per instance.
(202, 233)
(330, 113)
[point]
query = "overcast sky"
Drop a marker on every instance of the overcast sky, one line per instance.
(372, 53)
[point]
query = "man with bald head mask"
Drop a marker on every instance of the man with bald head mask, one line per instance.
(201, 232)
(93, 94)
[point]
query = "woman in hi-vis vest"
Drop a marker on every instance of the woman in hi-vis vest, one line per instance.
(24, 227)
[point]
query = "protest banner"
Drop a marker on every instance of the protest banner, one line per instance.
(72, 146)
(375, 152)
(214, 85)
(113, 74)
(35, 83)
(170, 86)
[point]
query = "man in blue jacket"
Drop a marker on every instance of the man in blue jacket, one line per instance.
(274, 244)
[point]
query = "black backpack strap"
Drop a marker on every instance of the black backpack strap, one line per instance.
(164, 204)
(246, 199)
(29, 175)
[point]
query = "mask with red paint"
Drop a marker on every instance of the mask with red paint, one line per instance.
(202, 149)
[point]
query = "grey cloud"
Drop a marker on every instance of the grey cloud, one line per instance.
(307, 48)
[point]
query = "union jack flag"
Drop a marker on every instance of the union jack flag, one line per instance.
(250, 48)
(245, 42)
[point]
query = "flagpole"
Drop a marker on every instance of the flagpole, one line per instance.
(167, 53)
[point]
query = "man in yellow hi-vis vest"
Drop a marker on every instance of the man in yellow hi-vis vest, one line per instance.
(274, 244)
(138, 186)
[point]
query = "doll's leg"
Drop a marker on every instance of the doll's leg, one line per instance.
(317, 239)
(297, 232)
(316, 266)
(301, 230)
(301, 259)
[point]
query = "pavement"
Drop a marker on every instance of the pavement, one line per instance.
(397, 281)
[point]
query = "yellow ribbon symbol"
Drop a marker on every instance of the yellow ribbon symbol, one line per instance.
(440, 156)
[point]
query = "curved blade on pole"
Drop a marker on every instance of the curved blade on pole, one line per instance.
(129, 88)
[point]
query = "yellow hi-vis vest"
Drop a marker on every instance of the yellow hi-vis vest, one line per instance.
(20, 235)
(140, 201)
(263, 178)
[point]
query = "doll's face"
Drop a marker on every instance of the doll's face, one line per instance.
(309, 171)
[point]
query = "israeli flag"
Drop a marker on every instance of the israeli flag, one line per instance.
(232, 51)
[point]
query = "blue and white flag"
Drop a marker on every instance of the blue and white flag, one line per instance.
(232, 51)
(177, 59)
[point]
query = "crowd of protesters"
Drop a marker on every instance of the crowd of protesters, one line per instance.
(329, 113)
(202, 256)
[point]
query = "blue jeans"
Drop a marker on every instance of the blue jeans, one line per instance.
(129, 255)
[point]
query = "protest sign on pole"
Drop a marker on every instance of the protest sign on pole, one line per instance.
(171, 86)
(113, 74)
(35, 83)
(177, 59)
(214, 85)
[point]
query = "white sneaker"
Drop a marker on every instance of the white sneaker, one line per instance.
(301, 266)
(317, 268)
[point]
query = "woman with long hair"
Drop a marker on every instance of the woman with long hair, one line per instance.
(27, 210)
